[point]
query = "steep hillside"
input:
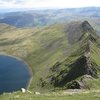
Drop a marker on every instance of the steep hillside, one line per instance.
(82, 66)
(72, 49)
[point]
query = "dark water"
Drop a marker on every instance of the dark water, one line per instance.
(14, 74)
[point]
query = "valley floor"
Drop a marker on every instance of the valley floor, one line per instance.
(62, 95)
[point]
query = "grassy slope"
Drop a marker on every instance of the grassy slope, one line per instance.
(62, 95)
(40, 48)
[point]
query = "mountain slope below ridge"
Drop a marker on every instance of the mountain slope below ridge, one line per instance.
(37, 46)
(82, 66)
(41, 48)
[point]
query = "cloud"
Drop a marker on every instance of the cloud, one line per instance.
(11, 0)
(47, 3)
(19, 1)
(6, 0)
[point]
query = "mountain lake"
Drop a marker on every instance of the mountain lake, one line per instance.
(14, 74)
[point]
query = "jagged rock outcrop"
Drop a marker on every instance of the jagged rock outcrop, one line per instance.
(76, 30)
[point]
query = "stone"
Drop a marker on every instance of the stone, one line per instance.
(37, 92)
(23, 90)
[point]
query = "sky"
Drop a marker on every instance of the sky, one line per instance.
(48, 3)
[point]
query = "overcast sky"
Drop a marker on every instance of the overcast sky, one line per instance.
(48, 3)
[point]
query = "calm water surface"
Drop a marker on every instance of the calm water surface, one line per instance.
(14, 74)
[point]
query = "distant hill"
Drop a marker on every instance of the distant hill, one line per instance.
(34, 18)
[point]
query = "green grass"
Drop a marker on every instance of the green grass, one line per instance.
(87, 95)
